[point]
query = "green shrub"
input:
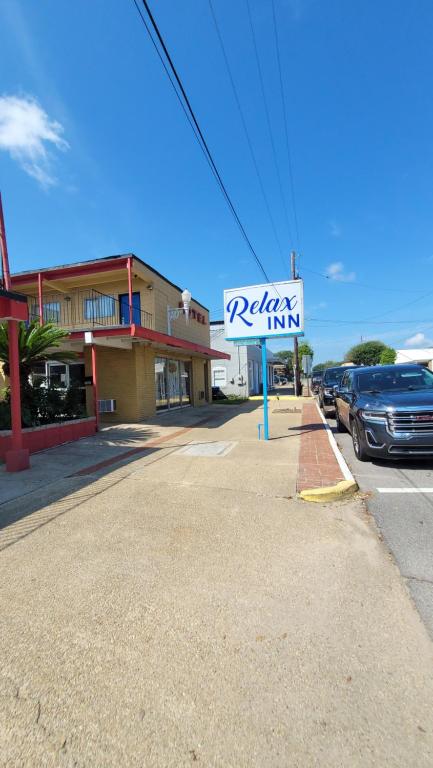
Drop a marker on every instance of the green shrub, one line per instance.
(5, 414)
(43, 405)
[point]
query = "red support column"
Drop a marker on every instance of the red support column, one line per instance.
(129, 268)
(4, 250)
(41, 299)
(18, 457)
(95, 386)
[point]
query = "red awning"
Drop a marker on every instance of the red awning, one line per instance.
(162, 339)
(13, 306)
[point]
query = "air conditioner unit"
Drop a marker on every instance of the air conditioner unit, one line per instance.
(106, 406)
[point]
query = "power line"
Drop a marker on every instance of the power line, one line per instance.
(169, 77)
(268, 120)
(197, 130)
(355, 284)
(363, 322)
(403, 306)
(286, 131)
(245, 127)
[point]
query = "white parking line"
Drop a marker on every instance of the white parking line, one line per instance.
(405, 490)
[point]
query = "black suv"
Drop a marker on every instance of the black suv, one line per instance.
(316, 381)
(388, 409)
(330, 379)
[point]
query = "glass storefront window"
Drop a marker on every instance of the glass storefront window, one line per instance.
(172, 383)
(160, 383)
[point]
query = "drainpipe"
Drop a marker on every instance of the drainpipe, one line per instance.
(41, 300)
(95, 386)
(17, 458)
(129, 268)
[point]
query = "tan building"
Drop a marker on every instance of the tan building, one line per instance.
(135, 351)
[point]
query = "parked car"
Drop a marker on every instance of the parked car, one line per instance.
(388, 409)
(316, 381)
(330, 379)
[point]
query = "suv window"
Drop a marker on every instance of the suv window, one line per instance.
(333, 376)
(398, 378)
(345, 381)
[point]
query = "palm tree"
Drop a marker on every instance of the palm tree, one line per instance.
(36, 343)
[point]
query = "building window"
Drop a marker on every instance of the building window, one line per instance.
(219, 376)
(52, 312)
(102, 306)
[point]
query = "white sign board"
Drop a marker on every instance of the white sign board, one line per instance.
(264, 311)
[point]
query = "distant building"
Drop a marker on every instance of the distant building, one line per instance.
(242, 374)
(423, 356)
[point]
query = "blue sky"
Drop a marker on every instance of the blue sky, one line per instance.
(99, 159)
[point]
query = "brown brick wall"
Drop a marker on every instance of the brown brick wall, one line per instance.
(198, 382)
(127, 376)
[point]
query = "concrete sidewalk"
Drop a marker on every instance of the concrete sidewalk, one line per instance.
(183, 607)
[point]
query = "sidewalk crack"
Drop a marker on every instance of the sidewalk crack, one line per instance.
(417, 578)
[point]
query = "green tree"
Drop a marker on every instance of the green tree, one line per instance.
(388, 356)
(304, 348)
(368, 353)
(326, 364)
(286, 358)
(36, 343)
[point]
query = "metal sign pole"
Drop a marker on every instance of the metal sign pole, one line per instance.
(265, 390)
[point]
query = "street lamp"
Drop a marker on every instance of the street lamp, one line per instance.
(173, 313)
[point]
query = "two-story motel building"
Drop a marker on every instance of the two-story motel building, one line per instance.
(130, 358)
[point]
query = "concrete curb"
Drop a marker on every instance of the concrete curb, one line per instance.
(331, 492)
(341, 490)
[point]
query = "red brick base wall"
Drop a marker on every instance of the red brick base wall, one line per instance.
(50, 435)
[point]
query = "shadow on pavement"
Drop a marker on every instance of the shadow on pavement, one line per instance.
(36, 506)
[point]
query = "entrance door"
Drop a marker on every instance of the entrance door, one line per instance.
(124, 308)
(173, 381)
(185, 382)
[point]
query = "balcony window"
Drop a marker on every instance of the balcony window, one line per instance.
(99, 307)
(52, 312)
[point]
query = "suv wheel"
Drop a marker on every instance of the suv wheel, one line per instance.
(358, 447)
(339, 423)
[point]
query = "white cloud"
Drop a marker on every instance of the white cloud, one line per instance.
(335, 271)
(335, 229)
(418, 340)
(28, 134)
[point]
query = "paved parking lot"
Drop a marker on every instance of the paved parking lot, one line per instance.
(401, 501)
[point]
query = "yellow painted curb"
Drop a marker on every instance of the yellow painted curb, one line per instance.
(331, 492)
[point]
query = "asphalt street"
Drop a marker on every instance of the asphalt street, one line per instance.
(401, 501)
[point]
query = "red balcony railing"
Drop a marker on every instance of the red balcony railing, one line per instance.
(87, 308)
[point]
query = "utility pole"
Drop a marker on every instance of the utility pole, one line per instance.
(296, 368)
